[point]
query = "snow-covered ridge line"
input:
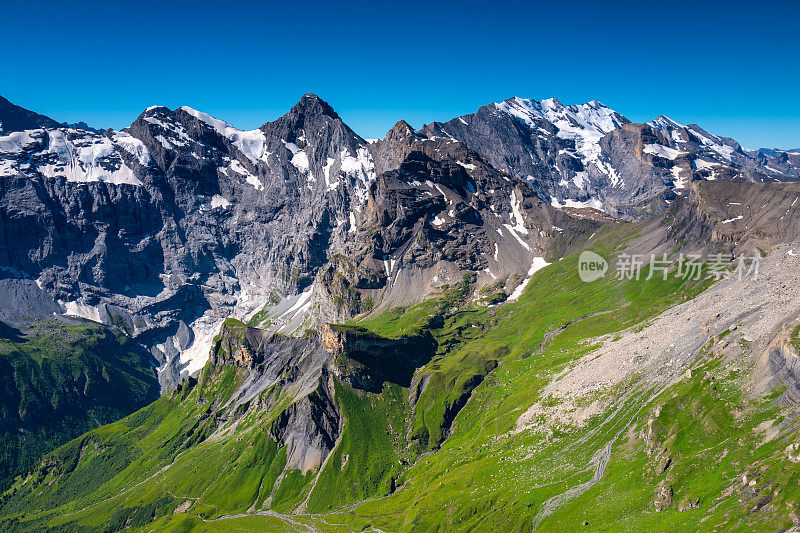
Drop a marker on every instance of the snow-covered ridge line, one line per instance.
(251, 143)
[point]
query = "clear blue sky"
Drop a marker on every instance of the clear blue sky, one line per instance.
(732, 67)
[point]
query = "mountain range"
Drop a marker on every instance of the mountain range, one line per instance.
(311, 330)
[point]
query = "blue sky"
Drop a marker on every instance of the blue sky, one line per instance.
(732, 67)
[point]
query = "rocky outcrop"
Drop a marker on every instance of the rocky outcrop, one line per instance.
(366, 360)
(234, 345)
(295, 378)
(286, 376)
(310, 427)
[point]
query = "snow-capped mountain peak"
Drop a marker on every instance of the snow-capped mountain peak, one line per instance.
(592, 116)
(663, 122)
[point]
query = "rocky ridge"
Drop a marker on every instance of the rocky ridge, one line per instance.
(181, 220)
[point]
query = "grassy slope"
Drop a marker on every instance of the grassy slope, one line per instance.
(485, 476)
(479, 477)
(62, 380)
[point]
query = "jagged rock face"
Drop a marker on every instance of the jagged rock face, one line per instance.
(443, 211)
(181, 220)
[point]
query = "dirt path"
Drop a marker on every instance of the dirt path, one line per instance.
(284, 518)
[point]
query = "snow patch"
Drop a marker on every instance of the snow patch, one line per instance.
(133, 146)
(516, 236)
(538, 264)
(593, 203)
(237, 167)
(301, 305)
(18, 141)
(680, 182)
(88, 158)
(516, 211)
(219, 201)
(662, 151)
(80, 309)
(251, 143)
(732, 219)
(702, 164)
(196, 355)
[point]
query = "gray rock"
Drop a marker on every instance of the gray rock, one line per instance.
(181, 220)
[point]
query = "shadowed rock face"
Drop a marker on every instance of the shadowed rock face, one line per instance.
(15, 118)
(366, 360)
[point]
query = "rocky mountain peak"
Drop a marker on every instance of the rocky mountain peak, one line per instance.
(664, 122)
(16, 118)
(550, 103)
(155, 110)
(311, 105)
(400, 130)
(390, 152)
(313, 121)
(597, 104)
